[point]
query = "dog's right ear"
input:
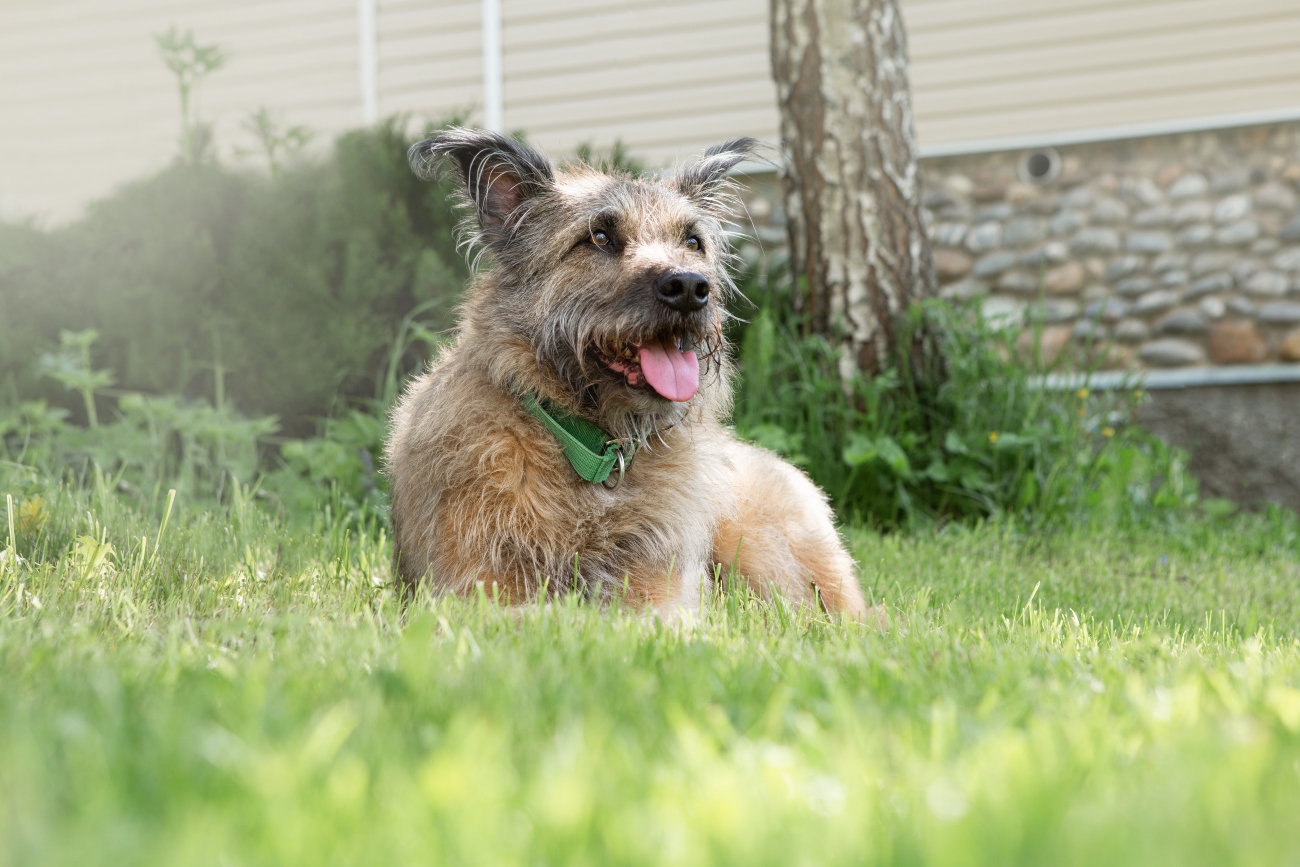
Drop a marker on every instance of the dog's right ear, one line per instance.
(498, 173)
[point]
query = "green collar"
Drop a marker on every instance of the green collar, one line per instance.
(593, 453)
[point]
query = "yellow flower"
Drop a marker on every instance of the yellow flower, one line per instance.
(993, 437)
(1082, 393)
(31, 515)
(1108, 431)
(1083, 410)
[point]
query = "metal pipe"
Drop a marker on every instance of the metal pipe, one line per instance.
(1187, 377)
(493, 90)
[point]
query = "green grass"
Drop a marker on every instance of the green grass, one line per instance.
(242, 693)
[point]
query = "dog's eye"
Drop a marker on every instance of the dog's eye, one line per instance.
(693, 244)
(600, 239)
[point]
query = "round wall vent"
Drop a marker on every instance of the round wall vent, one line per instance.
(1040, 166)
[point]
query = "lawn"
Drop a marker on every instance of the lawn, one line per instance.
(230, 690)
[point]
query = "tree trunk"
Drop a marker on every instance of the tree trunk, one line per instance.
(859, 254)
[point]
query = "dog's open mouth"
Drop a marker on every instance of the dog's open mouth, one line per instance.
(666, 364)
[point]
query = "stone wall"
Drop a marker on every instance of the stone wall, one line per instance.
(1166, 251)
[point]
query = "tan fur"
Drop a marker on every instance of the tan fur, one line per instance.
(481, 490)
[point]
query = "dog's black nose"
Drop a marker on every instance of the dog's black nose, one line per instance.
(684, 291)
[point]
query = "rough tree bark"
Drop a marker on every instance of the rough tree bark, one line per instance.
(858, 248)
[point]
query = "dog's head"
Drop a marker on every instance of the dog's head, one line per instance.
(617, 285)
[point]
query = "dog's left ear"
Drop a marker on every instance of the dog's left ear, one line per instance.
(706, 179)
(498, 174)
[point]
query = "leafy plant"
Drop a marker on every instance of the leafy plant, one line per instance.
(985, 438)
(71, 366)
(278, 140)
(190, 63)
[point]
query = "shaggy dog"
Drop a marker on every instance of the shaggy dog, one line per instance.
(571, 438)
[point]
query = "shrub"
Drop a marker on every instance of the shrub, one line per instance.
(282, 294)
(982, 439)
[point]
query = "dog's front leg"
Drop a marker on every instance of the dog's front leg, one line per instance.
(780, 536)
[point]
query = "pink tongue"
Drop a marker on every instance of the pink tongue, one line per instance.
(671, 372)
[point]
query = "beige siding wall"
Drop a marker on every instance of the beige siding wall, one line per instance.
(85, 104)
(666, 77)
(430, 57)
(670, 77)
(986, 69)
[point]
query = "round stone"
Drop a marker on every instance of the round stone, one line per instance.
(1155, 302)
(950, 234)
(1109, 211)
(1169, 262)
(1204, 263)
(1132, 286)
(1114, 310)
(1240, 232)
(1229, 181)
(1056, 310)
(1132, 331)
(983, 237)
(1232, 208)
(1267, 284)
(1024, 231)
(1194, 237)
(1020, 282)
(1001, 312)
(1189, 186)
(1064, 279)
(995, 263)
(951, 264)
(1171, 352)
(1079, 197)
(1000, 211)
(1185, 320)
(1160, 215)
(1220, 282)
(1287, 260)
(1242, 269)
(1123, 266)
(1289, 348)
(1141, 190)
(1290, 232)
(1149, 242)
(964, 290)
(1236, 342)
(1053, 252)
(1279, 313)
(1088, 331)
(1274, 197)
(1192, 212)
(1097, 240)
(958, 185)
(1212, 307)
(1241, 306)
(1067, 222)
(1050, 341)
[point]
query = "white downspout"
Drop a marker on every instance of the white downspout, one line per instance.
(368, 60)
(493, 98)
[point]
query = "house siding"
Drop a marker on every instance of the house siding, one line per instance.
(85, 103)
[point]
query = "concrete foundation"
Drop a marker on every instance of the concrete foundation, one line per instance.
(1244, 440)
